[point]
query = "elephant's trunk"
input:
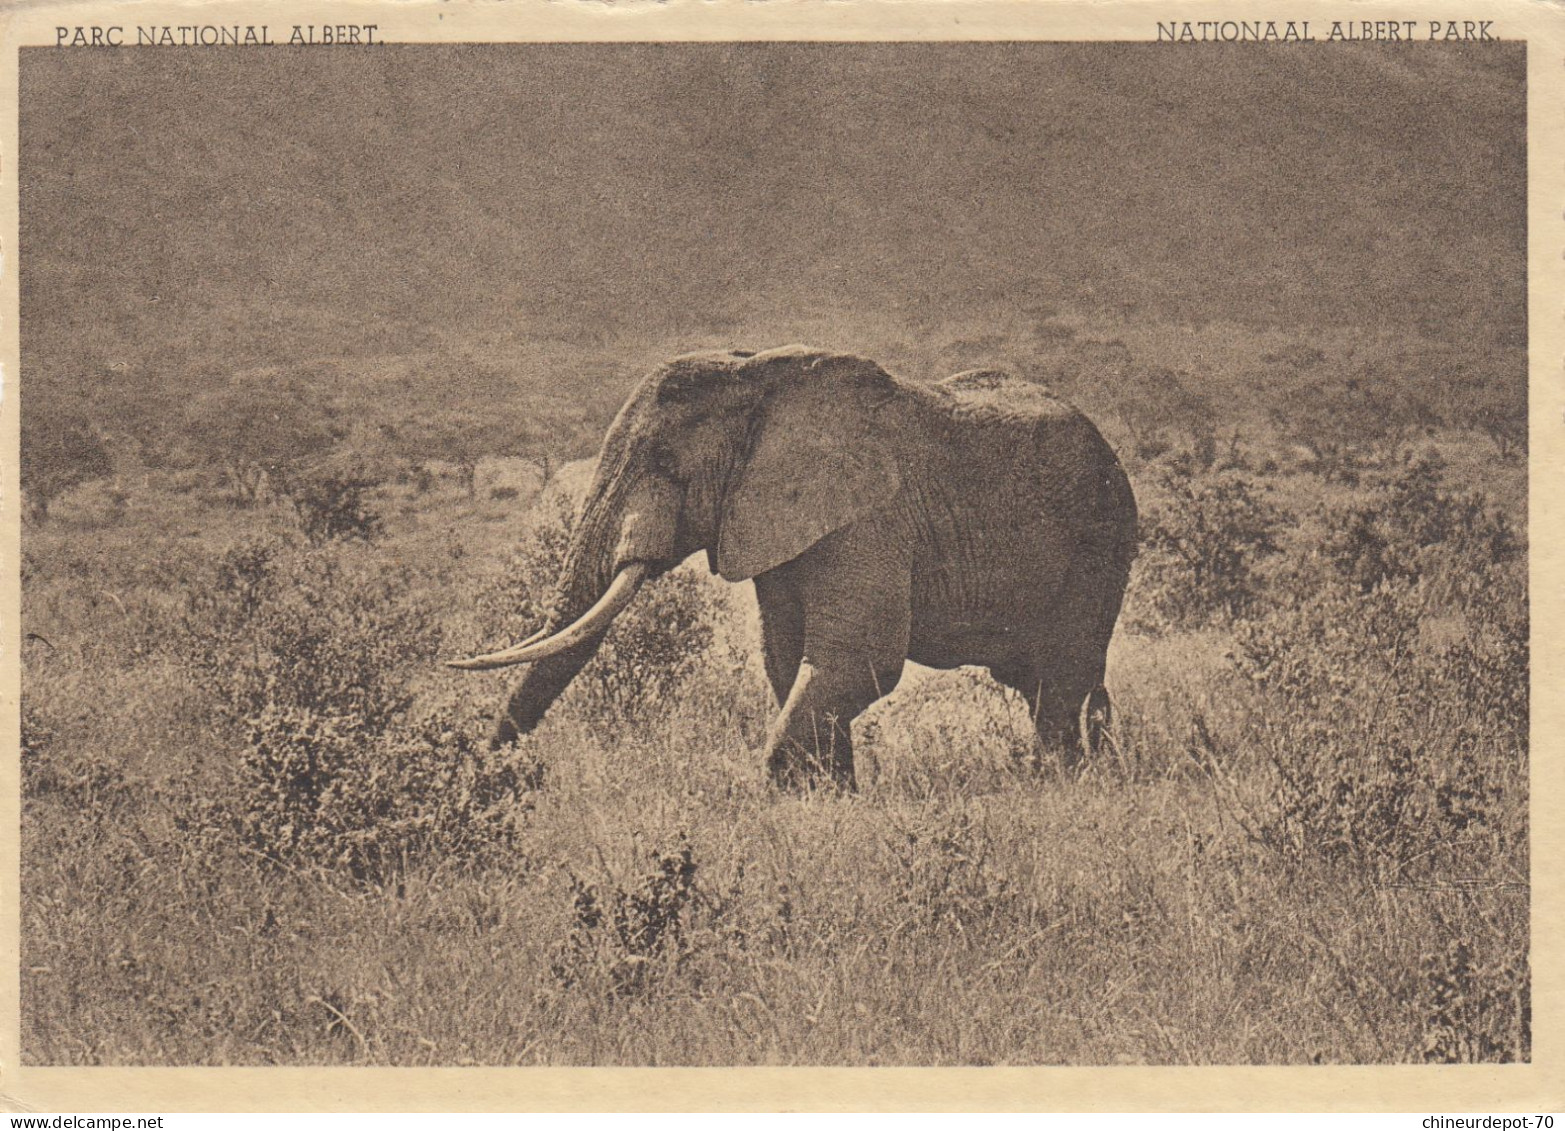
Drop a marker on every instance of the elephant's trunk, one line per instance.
(617, 543)
(537, 691)
(577, 590)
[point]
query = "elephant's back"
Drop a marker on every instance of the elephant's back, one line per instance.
(1022, 435)
(1031, 478)
(1001, 398)
(1027, 495)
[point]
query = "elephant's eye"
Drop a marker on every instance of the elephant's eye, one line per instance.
(661, 459)
(678, 389)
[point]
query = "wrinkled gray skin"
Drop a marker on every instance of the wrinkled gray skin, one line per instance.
(976, 521)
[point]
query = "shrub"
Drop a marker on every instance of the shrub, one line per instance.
(333, 506)
(1418, 530)
(517, 601)
(259, 428)
(328, 790)
(1388, 750)
(309, 652)
(1202, 538)
(628, 939)
(1486, 668)
(219, 609)
(653, 651)
(1344, 409)
(1456, 571)
(309, 628)
(1397, 681)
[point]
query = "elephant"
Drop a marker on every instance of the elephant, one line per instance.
(976, 521)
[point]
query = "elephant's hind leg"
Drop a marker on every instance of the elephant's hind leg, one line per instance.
(1061, 672)
(1097, 715)
(1069, 715)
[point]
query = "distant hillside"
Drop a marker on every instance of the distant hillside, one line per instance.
(249, 207)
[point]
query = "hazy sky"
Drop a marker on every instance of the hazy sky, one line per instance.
(244, 194)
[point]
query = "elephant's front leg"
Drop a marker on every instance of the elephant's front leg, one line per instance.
(782, 632)
(811, 740)
(855, 638)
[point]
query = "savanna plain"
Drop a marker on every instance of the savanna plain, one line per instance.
(261, 825)
(307, 375)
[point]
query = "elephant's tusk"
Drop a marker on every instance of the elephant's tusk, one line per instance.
(473, 663)
(533, 639)
(594, 621)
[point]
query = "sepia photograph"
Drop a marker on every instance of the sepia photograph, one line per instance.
(772, 553)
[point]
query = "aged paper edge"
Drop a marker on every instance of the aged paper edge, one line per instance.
(1535, 1087)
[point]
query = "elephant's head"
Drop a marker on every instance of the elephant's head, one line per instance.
(751, 457)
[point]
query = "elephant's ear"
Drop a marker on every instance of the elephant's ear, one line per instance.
(820, 458)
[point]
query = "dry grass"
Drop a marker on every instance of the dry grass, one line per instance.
(653, 902)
